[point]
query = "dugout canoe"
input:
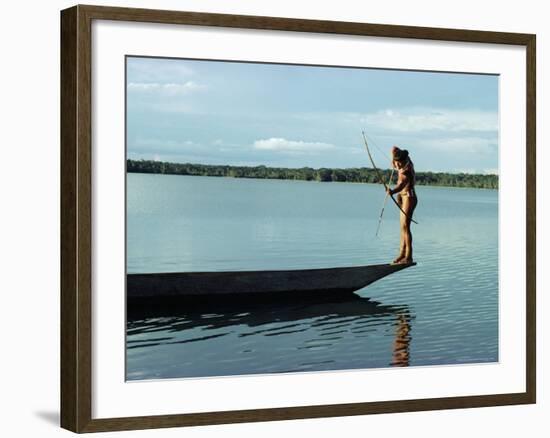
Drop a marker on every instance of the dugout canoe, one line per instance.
(297, 283)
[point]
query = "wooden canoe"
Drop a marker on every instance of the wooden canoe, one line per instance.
(295, 282)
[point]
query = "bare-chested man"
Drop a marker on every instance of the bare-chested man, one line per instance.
(406, 199)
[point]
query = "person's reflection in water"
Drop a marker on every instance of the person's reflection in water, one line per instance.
(401, 345)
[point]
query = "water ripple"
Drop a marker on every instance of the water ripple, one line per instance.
(442, 311)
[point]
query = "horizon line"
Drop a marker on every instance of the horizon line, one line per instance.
(308, 167)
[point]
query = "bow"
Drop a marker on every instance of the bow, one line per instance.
(381, 178)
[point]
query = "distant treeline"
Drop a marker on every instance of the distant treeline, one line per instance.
(357, 175)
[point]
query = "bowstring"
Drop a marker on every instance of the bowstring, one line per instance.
(378, 147)
(383, 153)
(389, 181)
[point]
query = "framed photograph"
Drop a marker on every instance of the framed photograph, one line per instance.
(239, 196)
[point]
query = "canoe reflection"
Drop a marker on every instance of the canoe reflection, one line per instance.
(308, 326)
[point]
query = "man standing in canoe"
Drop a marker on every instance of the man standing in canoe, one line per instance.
(407, 200)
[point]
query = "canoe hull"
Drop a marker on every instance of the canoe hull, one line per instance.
(295, 282)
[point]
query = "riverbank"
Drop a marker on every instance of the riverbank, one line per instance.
(355, 175)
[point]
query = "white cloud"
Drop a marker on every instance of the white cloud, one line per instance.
(432, 119)
(163, 146)
(461, 145)
(290, 146)
(157, 70)
(170, 88)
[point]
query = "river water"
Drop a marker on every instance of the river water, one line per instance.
(442, 311)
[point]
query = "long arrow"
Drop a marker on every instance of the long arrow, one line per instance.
(383, 206)
(383, 181)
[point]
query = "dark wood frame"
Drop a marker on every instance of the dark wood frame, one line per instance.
(76, 218)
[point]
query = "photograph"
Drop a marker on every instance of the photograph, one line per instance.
(293, 218)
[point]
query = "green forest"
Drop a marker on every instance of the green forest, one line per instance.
(354, 174)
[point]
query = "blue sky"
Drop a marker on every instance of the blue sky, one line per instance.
(214, 112)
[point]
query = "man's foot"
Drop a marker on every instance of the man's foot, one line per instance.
(405, 261)
(398, 260)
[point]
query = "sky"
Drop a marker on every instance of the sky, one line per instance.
(236, 113)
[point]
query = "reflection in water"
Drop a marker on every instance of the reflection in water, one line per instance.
(183, 340)
(401, 345)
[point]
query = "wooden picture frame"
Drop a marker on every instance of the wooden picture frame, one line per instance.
(76, 217)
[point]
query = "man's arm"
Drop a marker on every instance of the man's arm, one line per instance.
(401, 183)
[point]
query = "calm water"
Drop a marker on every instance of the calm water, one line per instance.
(442, 311)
